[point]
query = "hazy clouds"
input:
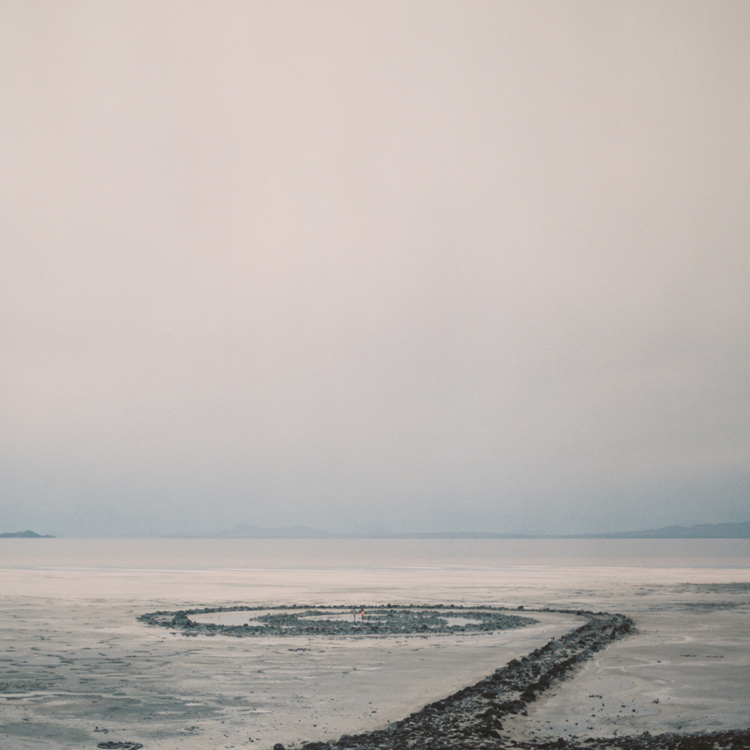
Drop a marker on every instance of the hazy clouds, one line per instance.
(432, 265)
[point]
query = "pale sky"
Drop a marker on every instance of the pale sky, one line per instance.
(386, 266)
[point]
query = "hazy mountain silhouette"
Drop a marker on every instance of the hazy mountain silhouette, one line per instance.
(703, 531)
(246, 531)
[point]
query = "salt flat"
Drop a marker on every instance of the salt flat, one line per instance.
(683, 671)
(76, 664)
(75, 661)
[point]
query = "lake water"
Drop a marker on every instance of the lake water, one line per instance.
(372, 554)
(347, 572)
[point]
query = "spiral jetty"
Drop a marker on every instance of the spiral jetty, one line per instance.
(472, 718)
(295, 620)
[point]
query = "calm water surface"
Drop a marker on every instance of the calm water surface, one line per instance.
(371, 554)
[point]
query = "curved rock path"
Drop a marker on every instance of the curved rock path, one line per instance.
(472, 719)
(295, 620)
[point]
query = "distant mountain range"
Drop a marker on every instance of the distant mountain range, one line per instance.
(704, 531)
(305, 532)
(246, 531)
(281, 532)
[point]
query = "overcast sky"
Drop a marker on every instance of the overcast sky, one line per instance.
(419, 266)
